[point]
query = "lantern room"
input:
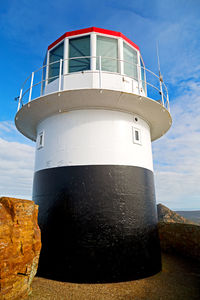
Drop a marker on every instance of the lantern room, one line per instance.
(93, 68)
(90, 51)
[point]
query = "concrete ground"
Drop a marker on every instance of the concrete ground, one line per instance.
(179, 280)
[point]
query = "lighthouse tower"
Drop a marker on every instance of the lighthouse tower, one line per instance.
(93, 110)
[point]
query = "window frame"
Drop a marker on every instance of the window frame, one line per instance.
(40, 144)
(48, 61)
(138, 130)
(118, 52)
(79, 37)
(124, 62)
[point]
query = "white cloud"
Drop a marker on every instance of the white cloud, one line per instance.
(177, 155)
(9, 132)
(16, 168)
(6, 126)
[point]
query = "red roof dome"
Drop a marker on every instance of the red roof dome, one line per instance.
(93, 29)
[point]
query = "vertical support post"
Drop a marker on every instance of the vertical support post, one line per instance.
(121, 57)
(20, 98)
(145, 80)
(100, 73)
(65, 62)
(93, 51)
(31, 87)
(60, 76)
(161, 89)
(47, 71)
(42, 82)
(168, 102)
(139, 77)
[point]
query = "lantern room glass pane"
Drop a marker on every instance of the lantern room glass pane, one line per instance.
(107, 49)
(54, 62)
(79, 47)
(130, 62)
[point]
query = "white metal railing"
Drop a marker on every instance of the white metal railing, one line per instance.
(156, 86)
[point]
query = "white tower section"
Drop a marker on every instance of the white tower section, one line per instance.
(111, 140)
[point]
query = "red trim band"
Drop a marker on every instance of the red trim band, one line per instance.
(93, 29)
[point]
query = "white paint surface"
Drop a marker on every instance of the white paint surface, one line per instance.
(34, 112)
(95, 80)
(93, 137)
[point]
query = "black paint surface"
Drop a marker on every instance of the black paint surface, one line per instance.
(98, 223)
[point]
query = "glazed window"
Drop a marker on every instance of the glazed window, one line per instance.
(54, 62)
(130, 62)
(40, 140)
(107, 49)
(136, 136)
(79, 47)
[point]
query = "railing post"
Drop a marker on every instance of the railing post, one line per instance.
(42, 82)
(161, 92)
(100, 73)
(145, 80)
(47, 71)
(20, 98)
(30, 92)
(161, 89)
(139, 77)
(168, 102)
(60, 74)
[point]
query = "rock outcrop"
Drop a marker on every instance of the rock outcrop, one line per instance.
(167, 215)
(181, 239)
(20, 244)
(177, 234)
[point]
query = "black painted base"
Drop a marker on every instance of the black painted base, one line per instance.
(98, 223)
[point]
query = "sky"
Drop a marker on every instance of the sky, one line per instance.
(28, 27)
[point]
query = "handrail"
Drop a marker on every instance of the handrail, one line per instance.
(142, 83)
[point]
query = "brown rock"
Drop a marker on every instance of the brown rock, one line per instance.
(20, 244)
(169, 216)
(181, 239)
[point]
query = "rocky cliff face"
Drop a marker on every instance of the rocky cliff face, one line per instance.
(182, 239)
(20, 244)
(177, 234)
(167, 215)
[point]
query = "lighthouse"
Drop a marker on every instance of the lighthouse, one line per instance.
(93, 110)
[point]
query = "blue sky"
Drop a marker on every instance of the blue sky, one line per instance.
(28, 27)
